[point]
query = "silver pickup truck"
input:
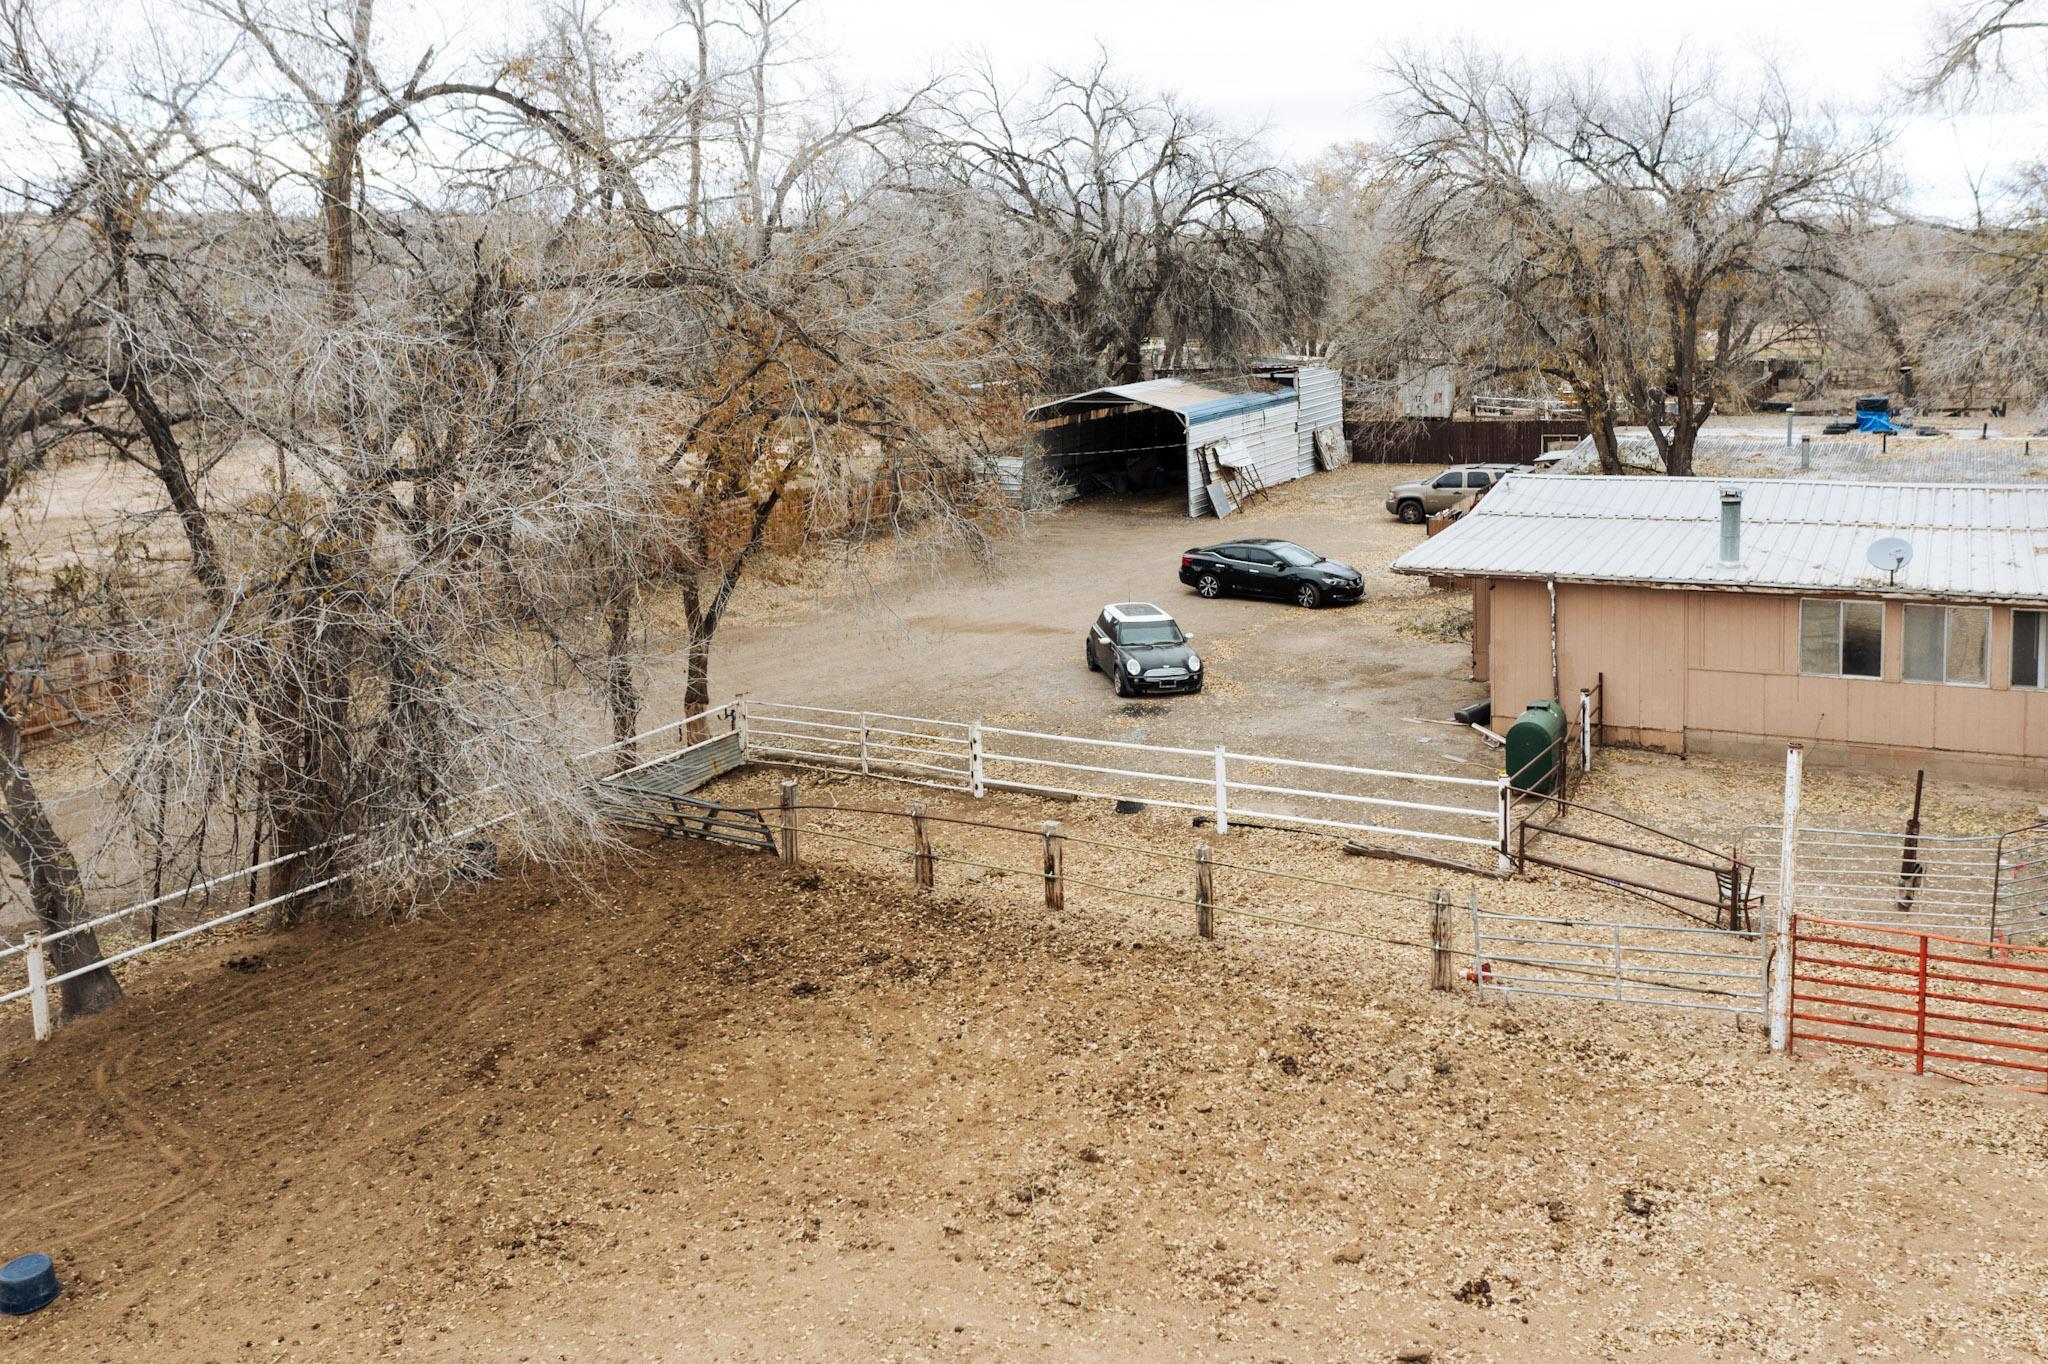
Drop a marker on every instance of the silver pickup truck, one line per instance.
(1419, 499)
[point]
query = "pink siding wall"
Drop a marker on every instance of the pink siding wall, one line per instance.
(1688, 669)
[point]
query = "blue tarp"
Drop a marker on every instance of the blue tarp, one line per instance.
(1877, 422)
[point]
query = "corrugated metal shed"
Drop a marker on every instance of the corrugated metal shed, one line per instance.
(1970, 543)
(1256, 421)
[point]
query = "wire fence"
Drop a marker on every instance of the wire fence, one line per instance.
(1994, 884)
(920, 854)
(1510, 956)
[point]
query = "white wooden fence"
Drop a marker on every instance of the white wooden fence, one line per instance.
(967, 755)
(1471, 813)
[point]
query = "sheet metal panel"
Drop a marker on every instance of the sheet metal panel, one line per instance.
(1193, 400)
(1268, 433)
(1321, 394)
(1976, 543)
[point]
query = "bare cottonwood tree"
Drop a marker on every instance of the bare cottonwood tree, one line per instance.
(1988, 277)
(820, 342)
(1136, 215)
(441, 368)
(1638, 238)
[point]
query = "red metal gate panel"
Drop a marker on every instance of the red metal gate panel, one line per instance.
(1962, 1007)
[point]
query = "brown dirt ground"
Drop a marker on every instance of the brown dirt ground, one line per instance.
(696, 1106)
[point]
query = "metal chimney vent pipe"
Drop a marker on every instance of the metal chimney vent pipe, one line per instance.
(1731, 525)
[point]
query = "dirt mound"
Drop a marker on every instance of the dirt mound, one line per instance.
(711, 1109)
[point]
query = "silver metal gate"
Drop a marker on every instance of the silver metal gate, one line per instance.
(1589, 959)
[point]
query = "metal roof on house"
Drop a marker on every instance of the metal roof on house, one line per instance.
(1972, 542)
(1194, 402)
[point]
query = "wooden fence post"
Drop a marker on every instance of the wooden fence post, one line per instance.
(789, 848)
(1205, 895)
(1440, 973)
(1055, 866)
(921, 848)
(38, 988)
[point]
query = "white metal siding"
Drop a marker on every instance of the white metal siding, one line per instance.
(1270, 434)
(1321, 399)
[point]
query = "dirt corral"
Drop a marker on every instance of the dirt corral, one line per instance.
(702, 1107)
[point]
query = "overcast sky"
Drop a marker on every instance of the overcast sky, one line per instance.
(1307, 70)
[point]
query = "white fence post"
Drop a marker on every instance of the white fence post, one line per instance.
(1585, 730)
(864, 743)
(739, 726)
(1222, 791)
(1507, 821)
(974, 758)
(38, 987)
(1788, 870)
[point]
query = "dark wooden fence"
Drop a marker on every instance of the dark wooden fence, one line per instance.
(1455, 440)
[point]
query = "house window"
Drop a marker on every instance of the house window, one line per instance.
(2030, 648)
(1948, 644)
(1841, 638)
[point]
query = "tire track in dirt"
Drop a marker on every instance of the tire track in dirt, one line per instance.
(176, 1148)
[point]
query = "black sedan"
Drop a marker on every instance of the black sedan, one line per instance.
(1270, 568)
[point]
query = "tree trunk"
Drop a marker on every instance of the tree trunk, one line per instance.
(309, 800)
(621, 695)
(51, 874)
(697, 658)
(1678, 451)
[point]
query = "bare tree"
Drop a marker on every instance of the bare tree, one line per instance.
(1637, 240)
(442, 368)
(1976, 42)
(1137, 216)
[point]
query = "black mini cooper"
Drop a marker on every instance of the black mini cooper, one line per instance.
(1142, 649)
(1270, 568)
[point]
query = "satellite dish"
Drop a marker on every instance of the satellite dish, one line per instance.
(1891, 554)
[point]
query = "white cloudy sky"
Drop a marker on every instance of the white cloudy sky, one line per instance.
(1307, 69)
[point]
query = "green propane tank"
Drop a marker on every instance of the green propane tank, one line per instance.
(1534, 750)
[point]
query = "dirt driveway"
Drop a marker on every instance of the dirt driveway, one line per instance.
(1004, 645)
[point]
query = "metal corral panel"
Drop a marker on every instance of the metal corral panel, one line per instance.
(691, 767)
(1971, 543)
(1268, 434)
(1321, 394)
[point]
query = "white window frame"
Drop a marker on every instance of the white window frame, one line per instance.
(1947, 616)
(2040, 615)
(1841, 637)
